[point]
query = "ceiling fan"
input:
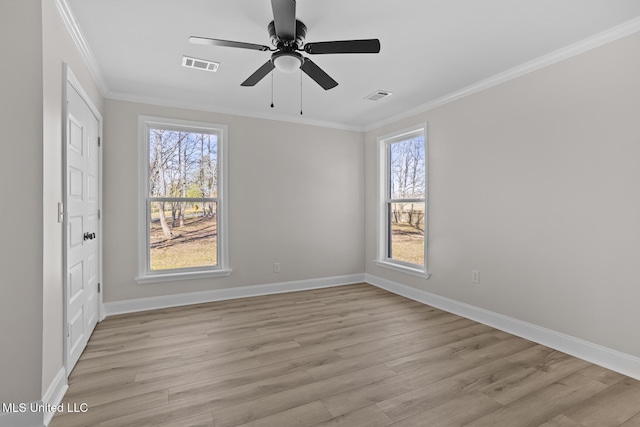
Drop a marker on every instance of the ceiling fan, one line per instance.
(287, 35)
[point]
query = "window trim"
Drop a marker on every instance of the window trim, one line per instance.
(145, 275)
(383, 198)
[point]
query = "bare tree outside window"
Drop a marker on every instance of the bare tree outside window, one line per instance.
(406, 200)
(182, 199)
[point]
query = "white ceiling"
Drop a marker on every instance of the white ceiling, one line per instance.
(429, 48)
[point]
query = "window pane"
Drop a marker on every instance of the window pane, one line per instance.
(406, 165)
(406, 232)
(182, 235)
(182, 164)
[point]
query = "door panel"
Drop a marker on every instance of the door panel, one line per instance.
(93, 188)
(75, 227)
(75, 135)
(75, 183)
(82, 247)
(76, 332)
(76, 281)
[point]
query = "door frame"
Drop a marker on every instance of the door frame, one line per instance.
(69, 78)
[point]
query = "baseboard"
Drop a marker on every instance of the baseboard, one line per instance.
(55, 393)
(152, 303)
(611, 359)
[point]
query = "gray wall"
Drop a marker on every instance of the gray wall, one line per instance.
(58, 48)
(31, 173)
(535, 184)
(20, 215)
(296, 196)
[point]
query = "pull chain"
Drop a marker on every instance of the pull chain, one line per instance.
(271, 89)
(300, 91)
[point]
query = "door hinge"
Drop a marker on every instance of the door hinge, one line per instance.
(99, 287)
(99, 214)
(99, 141)
(68, 330)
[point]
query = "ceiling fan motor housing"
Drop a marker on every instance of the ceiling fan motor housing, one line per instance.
(301, 33)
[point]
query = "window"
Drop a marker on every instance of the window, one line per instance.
(402, 201)
(182, 213)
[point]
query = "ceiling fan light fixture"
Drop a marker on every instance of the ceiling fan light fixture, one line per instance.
(287, 62)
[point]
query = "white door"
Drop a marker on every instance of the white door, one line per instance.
(82, 204)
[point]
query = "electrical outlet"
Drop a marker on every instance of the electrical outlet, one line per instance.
(276, 267)
(475, 276)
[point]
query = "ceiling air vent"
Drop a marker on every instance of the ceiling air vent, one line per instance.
(377, 95)
(200, 64)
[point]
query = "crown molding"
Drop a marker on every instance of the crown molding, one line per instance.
(83, 47)
(612, 34)
(165, 102)
(622, 30)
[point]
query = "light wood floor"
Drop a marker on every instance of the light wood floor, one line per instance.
(346, 356)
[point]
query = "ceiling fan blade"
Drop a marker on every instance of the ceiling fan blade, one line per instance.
(316, 73)
(284, 18)
(226, 43)
(259, 74)
(344, 46)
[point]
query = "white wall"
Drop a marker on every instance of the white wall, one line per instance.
(535, 183)
(58, 48)
(296, 196)
(20, 214)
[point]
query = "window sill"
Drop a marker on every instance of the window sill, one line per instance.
(175, 277)
(403, 269)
